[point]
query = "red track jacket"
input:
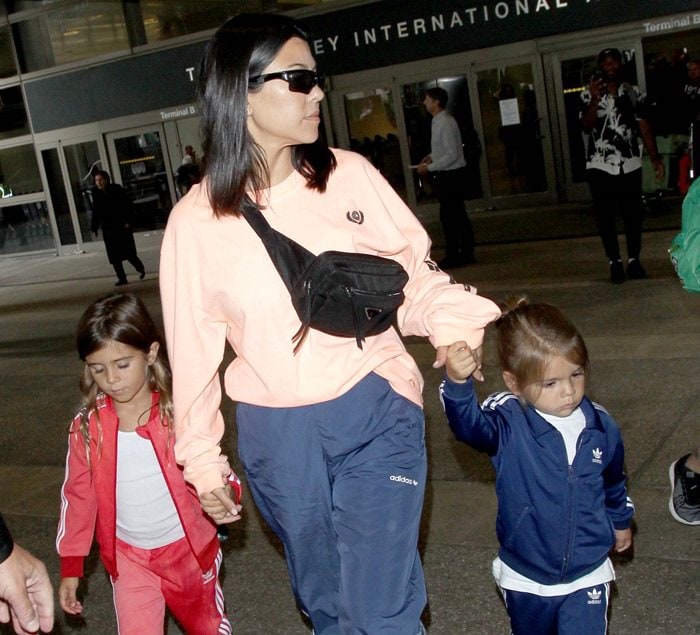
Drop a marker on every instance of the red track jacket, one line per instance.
(88, 495)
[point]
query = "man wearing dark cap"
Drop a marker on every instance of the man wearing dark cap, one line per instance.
(615, 119)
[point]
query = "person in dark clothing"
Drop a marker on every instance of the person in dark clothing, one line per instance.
(26, 596)
(112, 210)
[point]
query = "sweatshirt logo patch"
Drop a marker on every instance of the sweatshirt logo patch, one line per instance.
(597, 456)
(355, 216)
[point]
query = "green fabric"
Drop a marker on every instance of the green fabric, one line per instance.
(685, 247)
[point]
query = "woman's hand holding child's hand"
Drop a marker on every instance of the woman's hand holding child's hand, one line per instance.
(462, 362)
(220, 506)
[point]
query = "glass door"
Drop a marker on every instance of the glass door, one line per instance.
(370, 118)
(66, 222)
(138, 160)
(512, 112)
(418, 124)
(67, 166)
(81, 159)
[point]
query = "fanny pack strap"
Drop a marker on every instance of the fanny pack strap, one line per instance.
(289, 257)
(300, 269)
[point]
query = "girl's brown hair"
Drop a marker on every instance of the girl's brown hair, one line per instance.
(529, 335)
(122, 317)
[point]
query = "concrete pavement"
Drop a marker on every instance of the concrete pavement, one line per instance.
(643, 337)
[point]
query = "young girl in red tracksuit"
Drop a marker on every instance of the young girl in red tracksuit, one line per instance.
(124, 486)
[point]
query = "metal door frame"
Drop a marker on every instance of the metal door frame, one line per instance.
(59, 145)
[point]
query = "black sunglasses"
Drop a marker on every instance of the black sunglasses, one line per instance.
(300, 81)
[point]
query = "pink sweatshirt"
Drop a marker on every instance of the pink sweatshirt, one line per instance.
(218, 283)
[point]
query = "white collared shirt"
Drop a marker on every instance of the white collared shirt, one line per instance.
(445, 144)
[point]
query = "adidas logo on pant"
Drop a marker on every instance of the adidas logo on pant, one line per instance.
(403, 479)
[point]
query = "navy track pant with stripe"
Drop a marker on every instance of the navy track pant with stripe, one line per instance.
(341, 483)
(583, 612)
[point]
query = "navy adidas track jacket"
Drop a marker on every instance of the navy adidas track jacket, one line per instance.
(555, 522)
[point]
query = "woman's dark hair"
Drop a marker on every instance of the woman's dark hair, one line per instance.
(234, 164)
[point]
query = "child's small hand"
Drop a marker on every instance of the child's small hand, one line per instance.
(463, 362)
(220, 506)
(67, 596)
(623, 539)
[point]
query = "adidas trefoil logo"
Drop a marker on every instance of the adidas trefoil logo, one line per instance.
(594, 596)
(598, 456)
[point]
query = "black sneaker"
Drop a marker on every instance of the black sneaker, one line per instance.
(121, 283)
(684, 503)
(635, 271)
(142, 274)
(617, 272)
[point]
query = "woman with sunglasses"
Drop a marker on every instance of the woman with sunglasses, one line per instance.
(331, 437)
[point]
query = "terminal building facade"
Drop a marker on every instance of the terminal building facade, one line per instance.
(111, 84)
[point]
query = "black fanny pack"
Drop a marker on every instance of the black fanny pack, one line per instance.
(341, 293)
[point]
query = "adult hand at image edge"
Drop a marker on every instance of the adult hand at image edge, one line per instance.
(26, 593)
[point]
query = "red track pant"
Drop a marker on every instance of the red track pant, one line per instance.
(150, 579)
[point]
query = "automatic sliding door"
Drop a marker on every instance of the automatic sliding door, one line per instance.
(510, 104)
(65, 220)
(81, 159)
(143, 173)
(418, 123)
(68, 168)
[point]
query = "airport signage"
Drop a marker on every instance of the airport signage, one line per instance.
(353, 39)
(395, 31)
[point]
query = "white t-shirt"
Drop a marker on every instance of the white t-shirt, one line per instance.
(570, 429)
(146, 514)
(510, 579)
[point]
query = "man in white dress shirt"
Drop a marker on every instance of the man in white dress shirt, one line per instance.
(446, 162)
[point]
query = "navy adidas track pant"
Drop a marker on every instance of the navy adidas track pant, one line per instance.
(583, 612)
(341, 483)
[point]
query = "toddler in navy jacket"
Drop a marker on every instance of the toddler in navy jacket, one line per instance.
(560, 480)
